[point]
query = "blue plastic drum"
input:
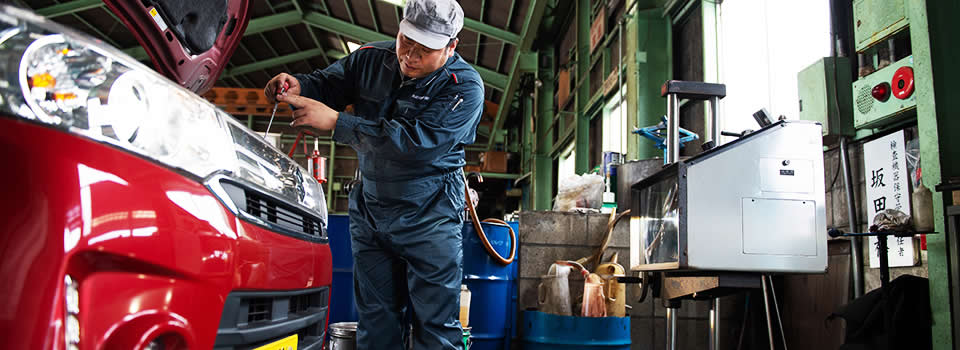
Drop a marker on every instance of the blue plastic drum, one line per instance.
(492, 286)
(543, 331)
(342, 306)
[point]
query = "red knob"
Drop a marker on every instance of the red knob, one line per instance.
(902, 83)
(881, 92)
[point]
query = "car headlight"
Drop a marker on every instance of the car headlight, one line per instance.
(63, 79)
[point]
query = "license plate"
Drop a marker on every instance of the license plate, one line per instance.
(288, 343)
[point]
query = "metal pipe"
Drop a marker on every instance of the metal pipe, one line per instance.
(673, 129)
(671, 328)
(766, 309)
(855, 252)
(776, 308)
(892, 48)
(715, 120)
(620, 88)
(715, 325)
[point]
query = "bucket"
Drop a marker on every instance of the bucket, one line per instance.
(342, 306)
(543, 331)
(492, 286)
(343, 336)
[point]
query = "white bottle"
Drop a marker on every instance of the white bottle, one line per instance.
(464, 306)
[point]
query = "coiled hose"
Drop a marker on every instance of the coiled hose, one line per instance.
(483, 236)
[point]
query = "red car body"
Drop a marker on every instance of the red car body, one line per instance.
(186, 39)
(138, 239)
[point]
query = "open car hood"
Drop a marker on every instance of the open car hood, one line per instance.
(189, 41)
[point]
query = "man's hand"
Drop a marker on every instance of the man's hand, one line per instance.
(273, 86)
(310, 112)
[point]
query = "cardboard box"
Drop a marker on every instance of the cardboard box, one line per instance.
(494, 161)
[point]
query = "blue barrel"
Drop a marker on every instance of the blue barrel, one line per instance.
(551, 332)
(342, 306)
(492, 286)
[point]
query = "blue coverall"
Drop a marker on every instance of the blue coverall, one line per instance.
(406, 216)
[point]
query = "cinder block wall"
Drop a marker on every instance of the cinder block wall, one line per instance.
(549, 236)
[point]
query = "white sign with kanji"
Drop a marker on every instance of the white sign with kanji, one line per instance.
(885, 171)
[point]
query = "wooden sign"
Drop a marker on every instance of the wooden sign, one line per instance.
(598, 29)
(563, 87)
(610, 84)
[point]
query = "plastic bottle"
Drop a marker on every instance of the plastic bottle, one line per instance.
(464, 306)
(922, 208)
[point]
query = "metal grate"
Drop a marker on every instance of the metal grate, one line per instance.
(299, 303)
(864, 100)
(260, 310)
(251, 319)
(280, 214)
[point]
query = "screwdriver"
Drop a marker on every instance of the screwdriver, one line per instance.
(275, 105)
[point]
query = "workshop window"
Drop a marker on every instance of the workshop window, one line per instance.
(615, 125)
(764, 44)
(566, 164)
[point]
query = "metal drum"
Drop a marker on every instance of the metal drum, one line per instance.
(543, 331)
(343, 336)
(342, 306)
(492, 286)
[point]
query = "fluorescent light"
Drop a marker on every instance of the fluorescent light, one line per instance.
(352, 46)
(395, 2)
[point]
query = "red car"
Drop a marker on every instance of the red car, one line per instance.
(136, 215)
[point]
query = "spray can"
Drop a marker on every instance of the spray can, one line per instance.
(317, 165)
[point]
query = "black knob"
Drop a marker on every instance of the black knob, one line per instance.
(834, 232)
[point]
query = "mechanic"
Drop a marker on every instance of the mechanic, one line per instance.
(416, 103)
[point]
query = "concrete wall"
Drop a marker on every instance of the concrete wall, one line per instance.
(549, 236)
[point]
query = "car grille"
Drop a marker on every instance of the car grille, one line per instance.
(278, 215)
(275, 212)
(253, 319)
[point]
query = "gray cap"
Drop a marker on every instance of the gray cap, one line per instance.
(432, 23)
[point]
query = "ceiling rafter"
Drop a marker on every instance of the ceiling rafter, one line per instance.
(69, 7)
(530, 25)
(279, 60)
(486, 29)
(331, 24)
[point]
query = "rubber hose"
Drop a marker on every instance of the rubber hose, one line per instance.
(483, 236)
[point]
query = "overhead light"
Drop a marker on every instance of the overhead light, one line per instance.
(352, 46)
(395, 2)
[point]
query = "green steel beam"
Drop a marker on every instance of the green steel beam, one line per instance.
(647, 67)
(934, 57)
(94, 28)
(346, 4)
(486, 29)
(373, 14)
(543, 163)
(275, 61)
(476, 53)
(513, 4)
(530, 26)
(582, 136)
(491, 31)
(335, 54)
(500, 176)
(334, 25)
(492, 78)
(255, 26)
(69, 7)
(271, 22)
